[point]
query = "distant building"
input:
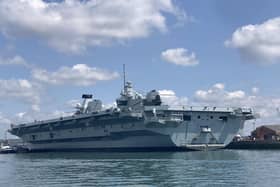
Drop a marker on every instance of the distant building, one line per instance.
(267, 132)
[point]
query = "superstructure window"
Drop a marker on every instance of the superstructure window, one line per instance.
(198, 117)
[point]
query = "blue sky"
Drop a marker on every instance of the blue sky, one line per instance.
(223, 53)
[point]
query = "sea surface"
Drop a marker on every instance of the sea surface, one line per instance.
(216, 168)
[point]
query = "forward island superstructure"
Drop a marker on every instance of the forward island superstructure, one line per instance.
(137, 123)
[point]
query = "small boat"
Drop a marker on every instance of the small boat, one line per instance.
(6, 149)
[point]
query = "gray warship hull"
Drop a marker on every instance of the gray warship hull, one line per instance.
(156, 128)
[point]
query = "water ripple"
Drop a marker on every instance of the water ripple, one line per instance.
(218, 168)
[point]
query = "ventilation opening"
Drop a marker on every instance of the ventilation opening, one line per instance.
(33, 137)
(187, 118)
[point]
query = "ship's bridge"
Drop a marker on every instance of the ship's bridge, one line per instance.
(130, 100)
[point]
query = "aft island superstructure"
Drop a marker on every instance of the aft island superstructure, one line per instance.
(137, 123)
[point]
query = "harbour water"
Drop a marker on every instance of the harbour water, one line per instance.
(215, 168)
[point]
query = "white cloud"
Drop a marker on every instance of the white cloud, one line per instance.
(264, 105)
(219, 86)
(4, 125)
(179, 56)
(255, 90)
(30, 116)
(20, 114)
(109, 105)
(79, 75)
(21, 89)
(169, 97)
(15, 60)
(260, 42)
(4, 120)
(72, 26)
(56, 114)
(217, 93)
(235, 95)
(73, 103)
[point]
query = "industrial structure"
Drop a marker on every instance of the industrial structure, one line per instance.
(267, 132)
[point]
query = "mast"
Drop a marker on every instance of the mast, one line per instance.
(123, 77)
(6, 139)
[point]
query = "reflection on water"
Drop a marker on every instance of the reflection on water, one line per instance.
(217, 168)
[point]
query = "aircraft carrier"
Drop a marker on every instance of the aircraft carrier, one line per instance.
(137, 123)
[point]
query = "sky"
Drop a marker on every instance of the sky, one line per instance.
(202, 53)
